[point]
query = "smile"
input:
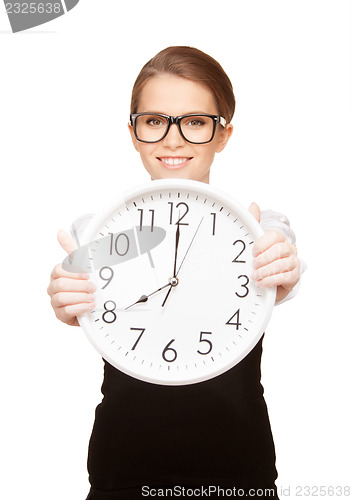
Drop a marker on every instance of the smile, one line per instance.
(174, 161)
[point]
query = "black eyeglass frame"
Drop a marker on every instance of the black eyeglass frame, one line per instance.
(217, 119)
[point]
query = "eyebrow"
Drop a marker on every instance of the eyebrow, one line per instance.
(181, 114)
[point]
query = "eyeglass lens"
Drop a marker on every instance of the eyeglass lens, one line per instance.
(152, 128)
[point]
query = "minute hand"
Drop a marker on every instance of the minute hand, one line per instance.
(175, 274)
(176, 246)
(175, 261)
(201, 220)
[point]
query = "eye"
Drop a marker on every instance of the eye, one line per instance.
(155, 121)
(195, 122)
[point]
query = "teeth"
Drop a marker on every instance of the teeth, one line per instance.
(173, 161)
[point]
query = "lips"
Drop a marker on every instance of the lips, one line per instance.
(174, 161)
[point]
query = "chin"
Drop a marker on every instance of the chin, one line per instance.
(181, 174)
(171, 174)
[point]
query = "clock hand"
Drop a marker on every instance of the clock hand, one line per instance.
(172, 282)
(176, 246)
(144, 298)
(168, 293)
(175, 275)
(201, 220)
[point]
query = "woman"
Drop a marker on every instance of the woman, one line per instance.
(215, 433)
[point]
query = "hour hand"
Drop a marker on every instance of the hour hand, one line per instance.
(144, 298)
(172, 282)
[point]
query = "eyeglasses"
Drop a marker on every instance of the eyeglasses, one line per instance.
(196, 128)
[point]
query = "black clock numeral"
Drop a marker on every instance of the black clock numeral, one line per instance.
(210, 345)
(109, 312)
(170, 350)
(109, 278)
(214, 219)
(122, 244)
(142, 330)
(171, 203)
(235, 323)
(141, 210)
(243, 245)
(243, 285)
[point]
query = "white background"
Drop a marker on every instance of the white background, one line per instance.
(65, 151)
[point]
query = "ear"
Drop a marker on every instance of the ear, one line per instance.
(224, 136)
(133, 137)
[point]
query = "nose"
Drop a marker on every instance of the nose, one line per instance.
(173, 138)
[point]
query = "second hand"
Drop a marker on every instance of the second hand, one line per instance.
(201, 220)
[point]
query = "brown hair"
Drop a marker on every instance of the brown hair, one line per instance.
(192, 64)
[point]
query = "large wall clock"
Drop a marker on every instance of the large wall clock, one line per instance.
(175, 303)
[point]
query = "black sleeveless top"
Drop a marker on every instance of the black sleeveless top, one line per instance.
(215, 432)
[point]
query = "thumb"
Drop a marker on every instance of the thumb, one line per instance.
(66, 241)
(255, 211)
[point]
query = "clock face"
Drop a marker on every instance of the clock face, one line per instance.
(175, 303)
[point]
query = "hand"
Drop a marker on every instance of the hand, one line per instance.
(275, 261)
(71, 293)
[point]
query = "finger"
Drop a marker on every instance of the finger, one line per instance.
(62, 299)
(66, 241)
(287, 280)
(275, 252)
(70, 285)
(266, 241)
(68, 314)
(59, 272)
(255, 211)
(277, 267)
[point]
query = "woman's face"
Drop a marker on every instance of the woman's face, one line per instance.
(174, 157)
